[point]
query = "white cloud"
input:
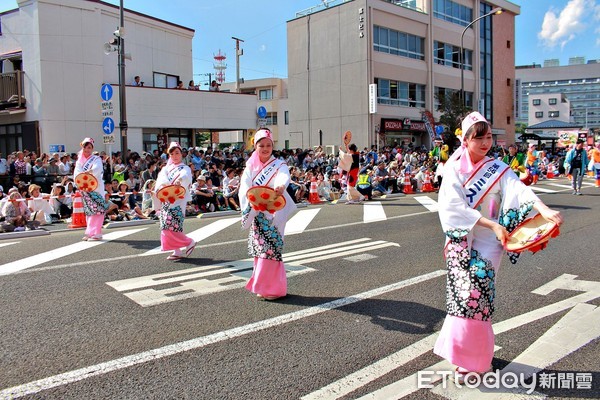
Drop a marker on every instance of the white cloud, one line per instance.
(262, 48)
(562, 26)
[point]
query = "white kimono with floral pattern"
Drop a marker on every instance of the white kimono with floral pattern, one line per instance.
(472, 252)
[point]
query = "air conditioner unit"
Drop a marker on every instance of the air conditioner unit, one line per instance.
(331, 149)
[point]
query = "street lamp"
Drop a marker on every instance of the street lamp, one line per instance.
(495, 11)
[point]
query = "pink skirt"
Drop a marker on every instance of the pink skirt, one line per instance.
(170, 240)
(268, 278)
(466, 343)
(94, 225)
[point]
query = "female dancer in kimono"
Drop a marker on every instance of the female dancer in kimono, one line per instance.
(94, 202)
(481, 201)
(265, 241)
(171, 215)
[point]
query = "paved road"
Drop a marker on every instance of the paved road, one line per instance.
(114, 319)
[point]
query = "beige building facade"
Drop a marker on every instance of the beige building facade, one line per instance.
(411, 51)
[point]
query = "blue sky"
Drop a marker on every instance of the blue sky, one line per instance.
(545, 29)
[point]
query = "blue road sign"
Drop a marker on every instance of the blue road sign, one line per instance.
(106, 92)
(262, 112)
(108, 126)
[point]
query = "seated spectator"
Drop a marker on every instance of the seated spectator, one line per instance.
(204, 198)
(150, 202)
(364, 183)
(39, 205)
(179, 85)
(380, 179)
(191, 85)
(62, 205)
(231, 185)
(16, 214)
(323, 187)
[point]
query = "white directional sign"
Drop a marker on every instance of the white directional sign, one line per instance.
(106, 92)
(108, 139)
(108, 125)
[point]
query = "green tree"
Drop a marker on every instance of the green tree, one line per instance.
(452, 110)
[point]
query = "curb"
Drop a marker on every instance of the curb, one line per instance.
(216, 214)
(120, 224)
(23, 234)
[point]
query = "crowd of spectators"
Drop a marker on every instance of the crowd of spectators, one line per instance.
(44, 182)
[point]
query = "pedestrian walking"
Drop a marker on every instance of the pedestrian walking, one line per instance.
(578, 161)
(481, 200)
(173, 187)
(265, 240)
(89, 166)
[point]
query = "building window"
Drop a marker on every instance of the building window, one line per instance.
(165, 80)
(508, 120)
(398, 43)
(286, 117)
(539, 114)
(508, 82)
(265, 94)
(450, 11)
(272, 119)
(553, 114)
(552, 101)
(508, 44)
(536, 102)
(395, 93)
(449, 55)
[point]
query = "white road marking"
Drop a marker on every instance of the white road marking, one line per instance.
(202, 233)
(77, 375)
(408, 385)
(51, 255)
(300, 220)
(373, 211)
(428, 203)
(361, 258)
(542, 190)
(588, 184)
(560, 185)
(578, 327)
(224, 243)
(188, 283)
(8, 244)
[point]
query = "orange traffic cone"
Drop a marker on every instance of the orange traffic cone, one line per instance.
(78, 217)
(313, 197)
(427, 186)
(407, 185)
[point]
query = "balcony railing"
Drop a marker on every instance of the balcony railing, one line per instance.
(11, 89)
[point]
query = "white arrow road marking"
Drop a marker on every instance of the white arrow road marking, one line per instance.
(203, 341)
(373, 211)
(202, 233)
(300, 220)
(8, 244)
(428, 203)
(43, 258)
(577, 328)
(408, 385)
(183, 284)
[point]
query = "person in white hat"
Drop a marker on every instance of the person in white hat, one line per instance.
(480, 201)
(172, 215)
(265, 241)
(94, 202)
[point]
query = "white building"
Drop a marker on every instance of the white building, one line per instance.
(58, 44)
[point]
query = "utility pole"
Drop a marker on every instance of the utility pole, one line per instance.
(238, 53)
(122, 102)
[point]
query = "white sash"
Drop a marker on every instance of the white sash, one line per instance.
(88, 164)
(173, 173)
(267, 173)
(482, 179)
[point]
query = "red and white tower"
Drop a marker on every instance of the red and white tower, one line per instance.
(219, 66)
